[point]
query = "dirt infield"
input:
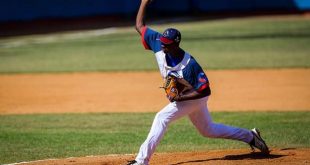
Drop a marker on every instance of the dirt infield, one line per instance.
(218, 157)
(239, 90)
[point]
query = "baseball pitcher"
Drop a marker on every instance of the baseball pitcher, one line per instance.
(187, 87)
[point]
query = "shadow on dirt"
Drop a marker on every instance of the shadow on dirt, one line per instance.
(248, 156)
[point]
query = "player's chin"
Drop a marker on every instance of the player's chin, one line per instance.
(165, 51)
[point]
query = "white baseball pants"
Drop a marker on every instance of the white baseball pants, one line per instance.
(197, 110)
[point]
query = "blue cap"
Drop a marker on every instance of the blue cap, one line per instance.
(170, 35)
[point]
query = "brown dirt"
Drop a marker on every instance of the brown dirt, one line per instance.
(216, 157)
(239, 90)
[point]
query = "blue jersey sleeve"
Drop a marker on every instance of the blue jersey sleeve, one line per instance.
(150, 39)
(194, 74)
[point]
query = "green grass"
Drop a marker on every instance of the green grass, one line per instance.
(276, 42)
(33, 137)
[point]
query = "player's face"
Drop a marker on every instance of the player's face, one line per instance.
(168, 48)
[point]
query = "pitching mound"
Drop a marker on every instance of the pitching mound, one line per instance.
(217, 157)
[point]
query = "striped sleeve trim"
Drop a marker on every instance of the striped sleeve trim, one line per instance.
(142, 38)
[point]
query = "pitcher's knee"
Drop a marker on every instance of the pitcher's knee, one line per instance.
(162, 118)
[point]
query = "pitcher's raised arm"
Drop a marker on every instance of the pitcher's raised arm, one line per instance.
(140, 23)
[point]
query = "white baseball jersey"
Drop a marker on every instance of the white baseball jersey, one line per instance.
(187, 68)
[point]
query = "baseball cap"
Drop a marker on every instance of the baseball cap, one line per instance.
(170, 35)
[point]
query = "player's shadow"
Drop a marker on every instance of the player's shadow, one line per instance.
(248, 156)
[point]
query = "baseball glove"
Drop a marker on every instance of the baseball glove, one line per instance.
(170, 87)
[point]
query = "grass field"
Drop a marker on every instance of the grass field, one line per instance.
(33, 137)
(219, 44)
(263, 42)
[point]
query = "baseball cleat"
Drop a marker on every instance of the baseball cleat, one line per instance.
(134, 162)
(258, 142)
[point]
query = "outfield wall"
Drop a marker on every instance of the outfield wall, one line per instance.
(15, 10)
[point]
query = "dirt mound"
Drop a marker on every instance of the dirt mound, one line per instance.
(216, 157)
(232, 90)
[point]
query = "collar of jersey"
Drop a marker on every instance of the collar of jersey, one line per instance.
(181, 65)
